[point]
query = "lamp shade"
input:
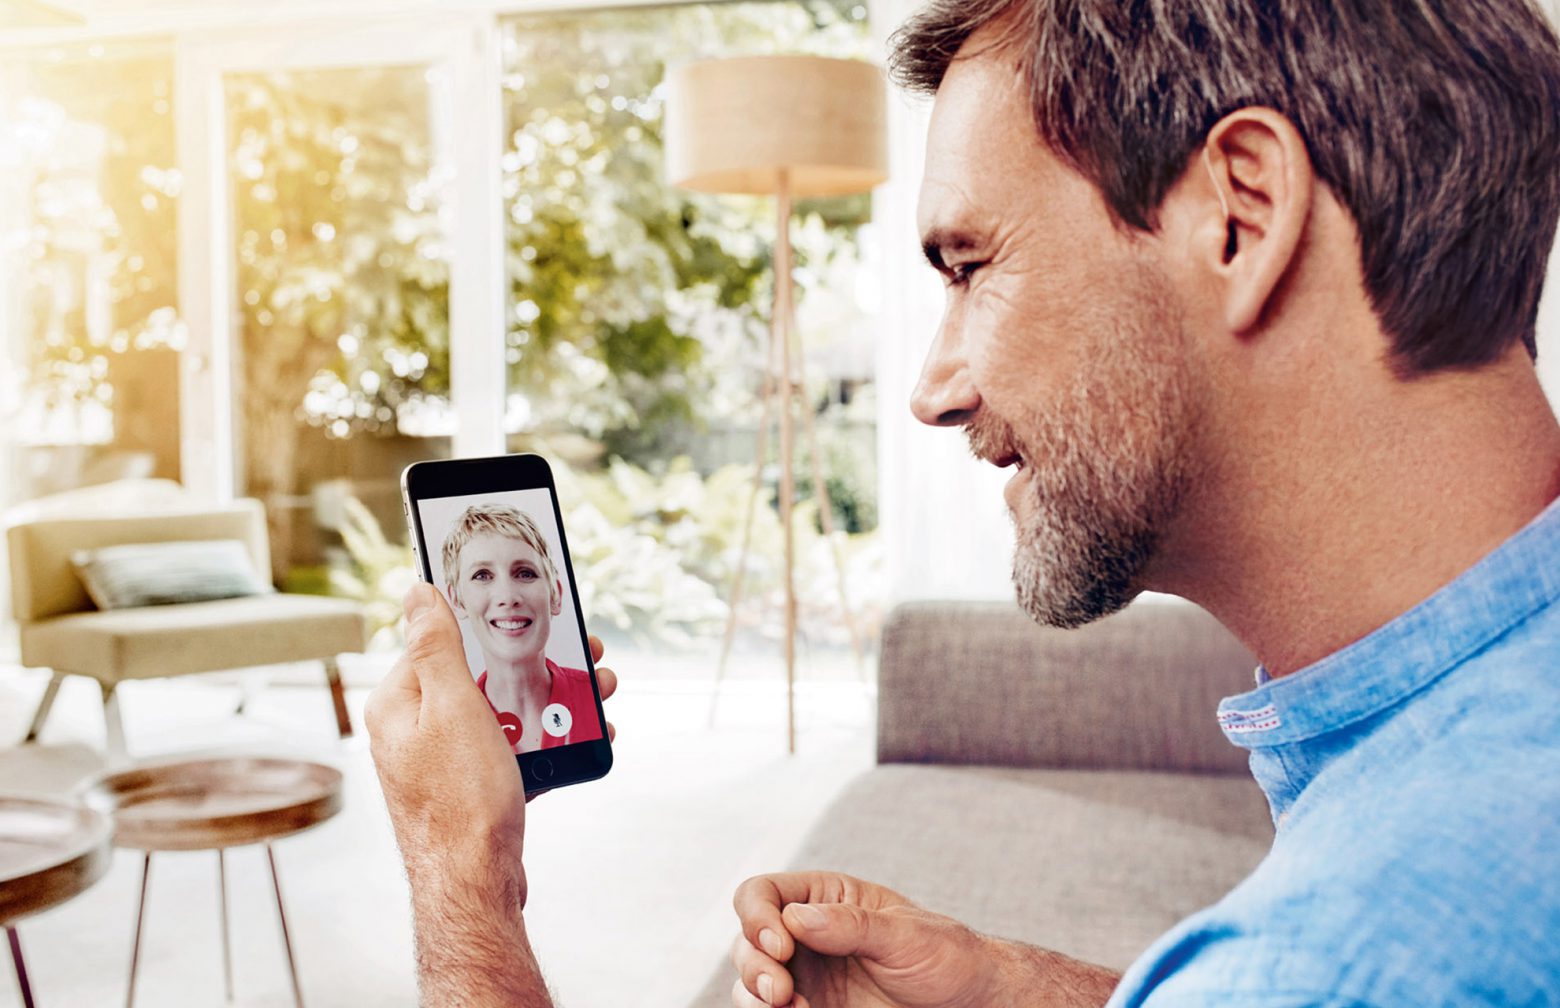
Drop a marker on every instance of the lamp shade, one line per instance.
(733, 125)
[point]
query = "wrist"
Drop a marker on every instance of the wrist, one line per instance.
(443, 863)
(1028, 975)
(473, 948)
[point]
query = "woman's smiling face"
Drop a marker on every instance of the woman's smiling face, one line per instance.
(504, 595)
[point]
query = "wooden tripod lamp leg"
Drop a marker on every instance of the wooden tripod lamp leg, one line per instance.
(781, 322)
(734, 594)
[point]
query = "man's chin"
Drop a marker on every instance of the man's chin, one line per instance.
(1101, 582)
(1071, 612)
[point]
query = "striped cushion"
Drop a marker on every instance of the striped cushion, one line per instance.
(143, 574)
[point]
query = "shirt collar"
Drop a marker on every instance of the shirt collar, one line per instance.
(1519, 577)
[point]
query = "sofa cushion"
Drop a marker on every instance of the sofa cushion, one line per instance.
(1094, 864)
(979, 682)
(167, 640)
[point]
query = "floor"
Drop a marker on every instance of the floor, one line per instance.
(630, 876)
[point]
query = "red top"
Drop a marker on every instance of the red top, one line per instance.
(571, 688)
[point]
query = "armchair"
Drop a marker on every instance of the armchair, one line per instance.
(61, 630)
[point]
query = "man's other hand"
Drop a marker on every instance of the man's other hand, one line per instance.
(824, 940)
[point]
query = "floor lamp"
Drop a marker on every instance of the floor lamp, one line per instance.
(788, 127)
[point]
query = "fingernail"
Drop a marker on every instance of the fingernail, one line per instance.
(766, 988)
(418, 601)
(770, 942)
(809, 916)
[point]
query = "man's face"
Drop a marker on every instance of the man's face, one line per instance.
(504, 594)
(1061, 352)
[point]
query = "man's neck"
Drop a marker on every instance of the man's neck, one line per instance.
(1342, 519)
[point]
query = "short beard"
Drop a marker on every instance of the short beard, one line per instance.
(1109, 465)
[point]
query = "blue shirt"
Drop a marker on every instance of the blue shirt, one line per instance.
(1414, 780)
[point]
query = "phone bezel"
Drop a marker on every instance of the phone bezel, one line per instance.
(569, 764)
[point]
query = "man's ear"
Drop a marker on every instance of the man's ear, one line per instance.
(1261, 171)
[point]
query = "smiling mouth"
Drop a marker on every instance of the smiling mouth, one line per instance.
(510, 626)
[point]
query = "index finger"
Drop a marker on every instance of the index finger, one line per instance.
(759, 900)
(597, 649)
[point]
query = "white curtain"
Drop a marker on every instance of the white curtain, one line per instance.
(1549, 307)
(945, 526)
(1549, 333)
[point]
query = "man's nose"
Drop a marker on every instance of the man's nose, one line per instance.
(945, 396)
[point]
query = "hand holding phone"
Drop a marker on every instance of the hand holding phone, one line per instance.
(488, 535)
(459, 819)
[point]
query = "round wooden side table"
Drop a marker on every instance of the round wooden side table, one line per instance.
(49, 852)
(214, 804)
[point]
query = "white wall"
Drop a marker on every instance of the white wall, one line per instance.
(946, 529)
(1549, 307)
(1549, 332)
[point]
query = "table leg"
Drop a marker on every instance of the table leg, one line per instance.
(227, 942)
(338, 698)
(21, 967)
(281, 913)
(140, 917)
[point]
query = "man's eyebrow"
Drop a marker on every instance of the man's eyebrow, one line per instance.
(939, 240)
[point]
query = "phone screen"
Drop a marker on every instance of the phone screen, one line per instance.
(499, 559)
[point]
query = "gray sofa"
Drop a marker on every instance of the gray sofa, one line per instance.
(1066, 788)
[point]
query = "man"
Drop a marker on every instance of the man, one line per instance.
(1245, 292)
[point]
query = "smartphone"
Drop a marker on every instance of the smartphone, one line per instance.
(488, 534)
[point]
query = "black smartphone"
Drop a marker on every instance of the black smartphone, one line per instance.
(488, 535)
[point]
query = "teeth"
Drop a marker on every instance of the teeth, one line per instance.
(511, 624)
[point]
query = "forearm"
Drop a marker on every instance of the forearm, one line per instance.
(1032, 976)
(472, 947)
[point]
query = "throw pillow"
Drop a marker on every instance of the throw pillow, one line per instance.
(143, 574)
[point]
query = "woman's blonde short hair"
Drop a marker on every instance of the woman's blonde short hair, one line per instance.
(497, 519)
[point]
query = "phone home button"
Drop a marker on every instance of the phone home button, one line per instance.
(542, 770)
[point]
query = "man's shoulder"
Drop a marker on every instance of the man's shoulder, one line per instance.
(1417, 868)
(1437, 887)
(1430, 881)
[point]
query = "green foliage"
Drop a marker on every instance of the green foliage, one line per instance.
(607, 262)
(96, 159)
(701, 522)
(374, 572)
(635, 309)
(849, 462)
(343, 282)
(380, 573)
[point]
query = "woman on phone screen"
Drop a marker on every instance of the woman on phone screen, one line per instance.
(502, 582)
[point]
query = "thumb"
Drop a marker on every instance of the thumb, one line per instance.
(843, 929)
(435, 653)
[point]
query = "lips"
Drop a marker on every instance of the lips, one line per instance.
(512, 626)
